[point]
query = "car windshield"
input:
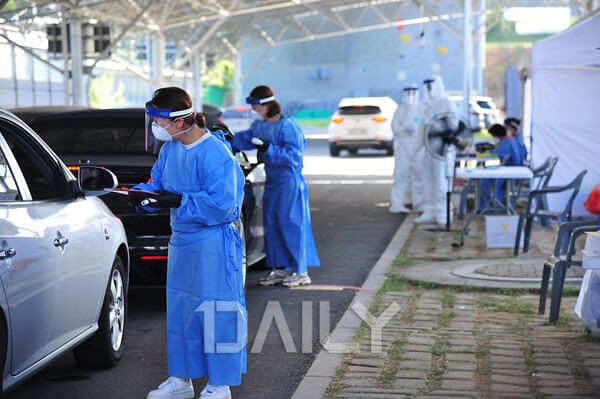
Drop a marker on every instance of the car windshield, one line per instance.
(94, 140)
(484, 104)
(359, 110)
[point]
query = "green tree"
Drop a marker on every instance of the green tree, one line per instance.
(104, 92)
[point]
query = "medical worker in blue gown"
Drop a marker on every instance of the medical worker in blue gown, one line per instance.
(197, 177)
(289, 243)
(510, 152)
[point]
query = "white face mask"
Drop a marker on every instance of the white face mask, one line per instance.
(160, 133)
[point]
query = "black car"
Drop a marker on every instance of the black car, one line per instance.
(115, 138)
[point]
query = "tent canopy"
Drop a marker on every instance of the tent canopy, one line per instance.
(565, 106)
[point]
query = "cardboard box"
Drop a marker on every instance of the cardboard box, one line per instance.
(500, 231)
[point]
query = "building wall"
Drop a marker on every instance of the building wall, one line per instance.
(376, 63)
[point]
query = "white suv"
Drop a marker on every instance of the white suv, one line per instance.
(482, 111)
(362, 122)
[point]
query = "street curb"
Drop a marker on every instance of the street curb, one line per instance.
(324, 368)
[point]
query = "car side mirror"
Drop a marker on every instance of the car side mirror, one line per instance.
(96, 180)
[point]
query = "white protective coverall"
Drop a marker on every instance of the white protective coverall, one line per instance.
(405, 123)
(434, 184)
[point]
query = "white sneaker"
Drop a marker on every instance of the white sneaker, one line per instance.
(215, 392)
(425, 218)
(276, 276)
(295, 279)
(173, 388)
(400, 209)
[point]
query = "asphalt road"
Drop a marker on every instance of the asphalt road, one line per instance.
(352, 227)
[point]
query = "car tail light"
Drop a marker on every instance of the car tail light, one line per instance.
(337, 120)
(153, 257)
(378, 119)
(73, 168)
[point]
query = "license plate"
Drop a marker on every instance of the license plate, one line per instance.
(356, 131)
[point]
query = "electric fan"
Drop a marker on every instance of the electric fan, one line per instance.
(446, 135)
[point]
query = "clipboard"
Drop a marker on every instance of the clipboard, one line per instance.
(134, 193)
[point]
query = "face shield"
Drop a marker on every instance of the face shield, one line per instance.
(154, 141)
(429, 87)
(254, 101)
(411, 95)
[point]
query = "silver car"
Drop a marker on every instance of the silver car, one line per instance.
(64, 262)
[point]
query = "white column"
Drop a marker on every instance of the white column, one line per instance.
(238, 96)
(467, 56)
(159, 60)
(13, 60)
(65, 52)
(76, 46)
(481, 30)
(198, 71)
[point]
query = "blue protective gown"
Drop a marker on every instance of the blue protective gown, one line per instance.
(289, 241)
(206, 310)
(511, 153)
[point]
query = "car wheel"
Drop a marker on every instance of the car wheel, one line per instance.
(334, 151)
(353, 151)
(105, 348)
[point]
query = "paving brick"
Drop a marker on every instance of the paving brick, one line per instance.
(458, 385)
(413, 364)
(509, 379)
(509, 388)
(408, 383)
(566, 392)
(460, 357)
(459, 375)
(461, 366)
(451, 394)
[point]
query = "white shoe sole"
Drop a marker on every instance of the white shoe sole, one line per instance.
(304, 281)
(176, 395)
(270, 282)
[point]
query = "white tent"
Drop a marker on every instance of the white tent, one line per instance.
(565, 106)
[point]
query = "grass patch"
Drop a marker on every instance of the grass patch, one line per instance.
(395, 283)
(391, 363)
(510, 305)
(567, 291)
(444, 317)
(403, 261)
(448, 298)
(313, 122)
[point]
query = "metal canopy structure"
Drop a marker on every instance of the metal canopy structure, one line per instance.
(218, 27)
(194, 28)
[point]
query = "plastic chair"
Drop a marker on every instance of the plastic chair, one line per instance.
(534, 209)
(560, 260)
(541, 178)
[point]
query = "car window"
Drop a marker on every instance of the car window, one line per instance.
(94, 140)
(42, 173)
(484, 104)
(8, 185)
(359, 110)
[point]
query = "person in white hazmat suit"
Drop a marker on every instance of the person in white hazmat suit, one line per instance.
(435, 184)
(405, 123)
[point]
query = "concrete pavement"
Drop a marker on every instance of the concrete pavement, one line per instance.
(456, 322)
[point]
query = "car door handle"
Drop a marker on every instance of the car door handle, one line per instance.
(61, 241)
(7, 253)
